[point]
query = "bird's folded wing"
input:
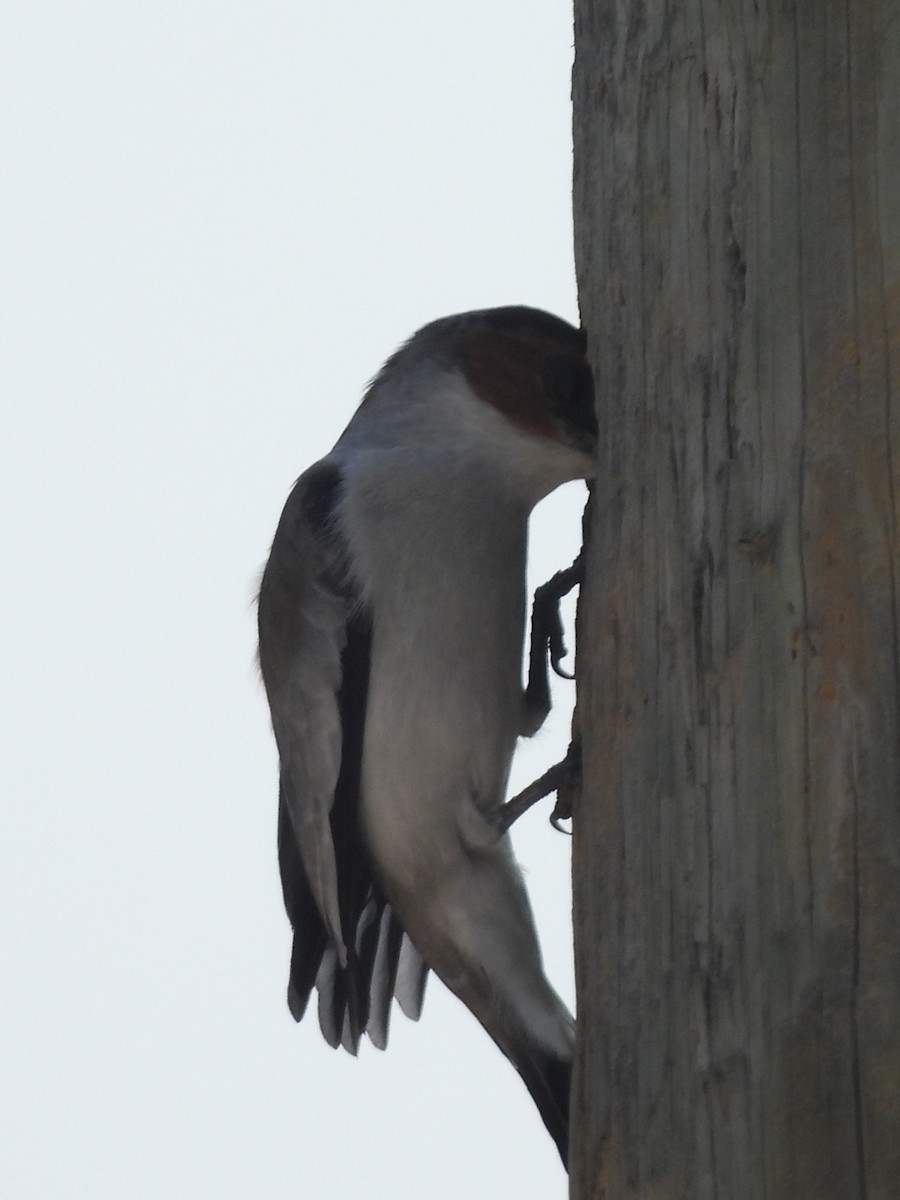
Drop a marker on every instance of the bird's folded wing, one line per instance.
(304, 609)
(314, 650)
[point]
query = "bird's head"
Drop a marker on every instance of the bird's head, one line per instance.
(509, 388)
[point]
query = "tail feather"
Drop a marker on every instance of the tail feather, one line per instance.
(549, 1080)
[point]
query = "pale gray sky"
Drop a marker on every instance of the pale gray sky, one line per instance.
(216, 220)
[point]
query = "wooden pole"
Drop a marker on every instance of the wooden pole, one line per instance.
(737, 841)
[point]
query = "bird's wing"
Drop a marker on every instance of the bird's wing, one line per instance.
(304, 607)
(314, 647)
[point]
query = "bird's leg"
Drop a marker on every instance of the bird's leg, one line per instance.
(548, 642)
(563, 778)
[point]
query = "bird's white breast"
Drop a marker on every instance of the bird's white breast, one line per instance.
(437, 492)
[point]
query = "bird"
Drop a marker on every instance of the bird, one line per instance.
(391, 615)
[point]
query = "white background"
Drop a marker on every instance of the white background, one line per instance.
(216, 221)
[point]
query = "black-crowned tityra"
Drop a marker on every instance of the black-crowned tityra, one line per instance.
(391, 628)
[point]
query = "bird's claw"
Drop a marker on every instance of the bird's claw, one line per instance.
(552, 634)
(563, 778)
(547, 634)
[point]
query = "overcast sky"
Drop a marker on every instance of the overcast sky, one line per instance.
(216, 221)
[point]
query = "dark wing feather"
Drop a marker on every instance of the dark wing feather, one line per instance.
(384, 976)
(412, 975)
(314, 649)
(310, 935)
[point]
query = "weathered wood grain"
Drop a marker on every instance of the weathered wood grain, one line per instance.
(737, 842)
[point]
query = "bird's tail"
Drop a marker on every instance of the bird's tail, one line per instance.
(549, 1080)
(538, 1039)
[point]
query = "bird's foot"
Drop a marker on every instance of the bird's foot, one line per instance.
(548, 639)
(545, 613)
(563, 778)
(568, 788)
